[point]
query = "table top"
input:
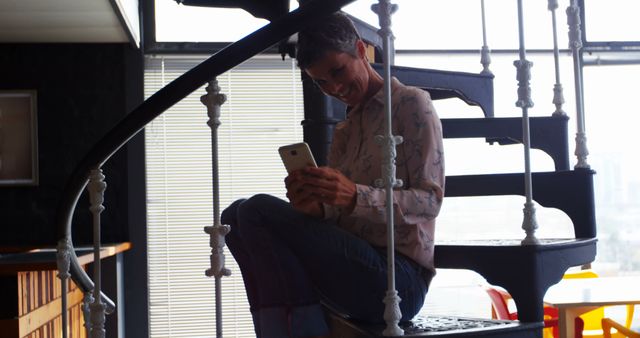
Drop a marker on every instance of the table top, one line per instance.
(45, 258)
(594, 292)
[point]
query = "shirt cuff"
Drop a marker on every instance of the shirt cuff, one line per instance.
(368, 201)
(330, 212)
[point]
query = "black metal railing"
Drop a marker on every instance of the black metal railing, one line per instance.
(168, 96)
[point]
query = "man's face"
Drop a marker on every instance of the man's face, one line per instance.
(342, 76)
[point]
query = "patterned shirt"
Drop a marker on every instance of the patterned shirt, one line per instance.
(420, 166)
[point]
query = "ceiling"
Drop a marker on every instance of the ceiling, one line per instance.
(71, 21)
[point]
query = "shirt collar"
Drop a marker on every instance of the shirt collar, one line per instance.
(378, 97)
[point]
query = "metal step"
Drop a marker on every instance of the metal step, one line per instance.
(474, 89)
(525, 271)
(569, 191)
(438, 326)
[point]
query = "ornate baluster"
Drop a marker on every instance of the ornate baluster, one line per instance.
(388, 143)
(97, 308)
(575, 42)
(523, 66)
(63, 260)
(558, 97)
(86, 311)
(213, 100)
(485, 54)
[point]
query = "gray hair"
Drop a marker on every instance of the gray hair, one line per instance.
(335, 33)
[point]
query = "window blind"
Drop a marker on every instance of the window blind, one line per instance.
(263, 111)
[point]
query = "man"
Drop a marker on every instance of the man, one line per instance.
(328, 244)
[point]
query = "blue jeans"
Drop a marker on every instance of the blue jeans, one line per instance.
(290, 262)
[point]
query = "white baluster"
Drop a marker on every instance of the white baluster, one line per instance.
(96, 188)
(575, 42)
(388, 142)
(63, 259)
(523, 67)
(213, 100)
(485, 53)
(558, 97)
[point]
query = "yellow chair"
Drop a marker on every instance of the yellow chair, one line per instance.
(608, 324)
(593, 319)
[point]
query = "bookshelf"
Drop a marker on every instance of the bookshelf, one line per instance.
(31, 292)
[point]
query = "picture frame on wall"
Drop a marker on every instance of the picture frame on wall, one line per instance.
(18, 138)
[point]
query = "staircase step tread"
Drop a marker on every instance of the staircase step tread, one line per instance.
(510, 242)
(430, 325)
(434, 325)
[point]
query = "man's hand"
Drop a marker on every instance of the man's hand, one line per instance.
(321, 185)
(300, 195)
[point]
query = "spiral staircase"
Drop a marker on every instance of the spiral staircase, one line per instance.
(525, 270)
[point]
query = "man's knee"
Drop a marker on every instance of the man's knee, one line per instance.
(230, 214)
(246, 207)
(259, 203)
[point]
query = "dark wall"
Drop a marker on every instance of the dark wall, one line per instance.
(83, 91)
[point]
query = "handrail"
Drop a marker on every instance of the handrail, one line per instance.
(171, 94)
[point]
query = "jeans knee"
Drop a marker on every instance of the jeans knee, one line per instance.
(258, 204)
(243, 207)
(258, 201)
(230, 214)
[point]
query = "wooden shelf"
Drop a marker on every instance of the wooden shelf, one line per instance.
(33, 259)
(31, 292)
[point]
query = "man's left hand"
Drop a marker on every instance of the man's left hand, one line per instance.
(330, 186)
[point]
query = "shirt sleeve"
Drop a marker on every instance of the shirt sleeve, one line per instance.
(421, 160)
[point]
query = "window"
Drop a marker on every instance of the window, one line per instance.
(611, 119)
(179, 188)
(599, 26)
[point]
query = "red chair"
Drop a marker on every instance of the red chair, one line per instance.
(500, 310)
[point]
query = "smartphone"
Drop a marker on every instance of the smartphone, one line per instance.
(296, 156)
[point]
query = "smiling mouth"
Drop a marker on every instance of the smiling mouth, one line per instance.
(344, 94)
